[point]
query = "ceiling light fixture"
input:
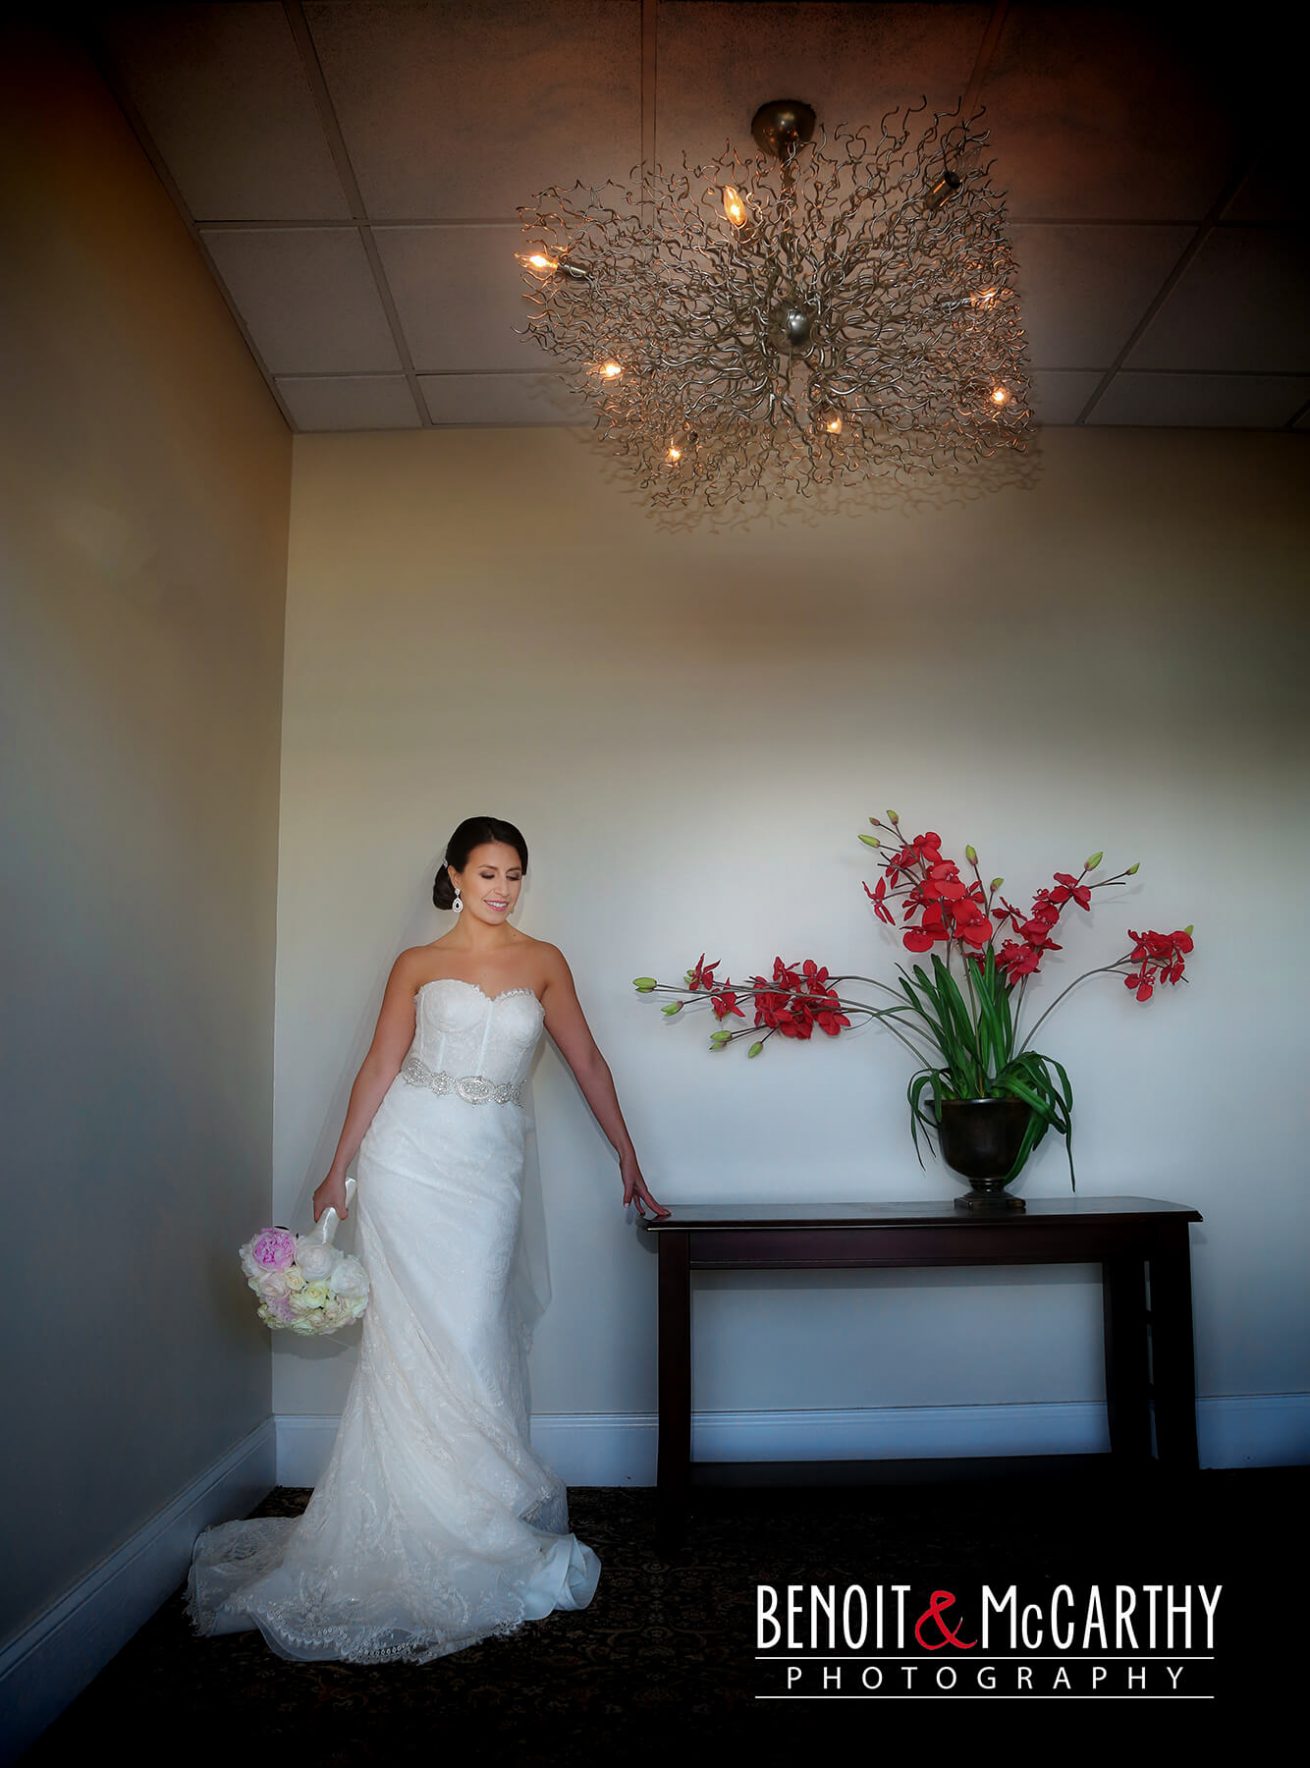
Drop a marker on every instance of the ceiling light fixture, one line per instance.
(828, 310)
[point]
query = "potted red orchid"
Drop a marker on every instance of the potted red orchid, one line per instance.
(979, 1085)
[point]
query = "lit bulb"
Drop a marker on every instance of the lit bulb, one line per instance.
(985, 299)
(538, 261)
(674, 453)
(733, 207)
(833, 424)
(611, 369)
(1001, 395)
(941, 188)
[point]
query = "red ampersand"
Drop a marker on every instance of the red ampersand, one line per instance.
(936, 1609)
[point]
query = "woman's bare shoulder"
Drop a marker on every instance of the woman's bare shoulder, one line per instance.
(416, 954)
(552, 962)
(544, 949)
(416, 960)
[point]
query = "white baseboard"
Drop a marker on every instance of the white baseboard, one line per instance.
(619, 1449)
(54, 1658)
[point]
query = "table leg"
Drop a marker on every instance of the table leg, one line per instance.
(1127, 1386)
(1173, 1356)
(674, 1456)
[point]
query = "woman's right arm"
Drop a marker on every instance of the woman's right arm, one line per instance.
(391, 1040)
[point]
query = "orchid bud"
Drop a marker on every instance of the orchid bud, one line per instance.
(996, 883)
(870, 840)
(971, 854)
(892, 818)
(643, 983)
(1091, 864)
(1188, 929)
(755, 1049)
(1132, 868)
(673, 1007)
(718, 1039)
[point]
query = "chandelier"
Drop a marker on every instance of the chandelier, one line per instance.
(828, 310)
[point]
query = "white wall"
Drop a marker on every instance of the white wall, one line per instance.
(144, 485)
(690, 726)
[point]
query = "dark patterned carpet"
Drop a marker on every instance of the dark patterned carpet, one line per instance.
(666, 1654)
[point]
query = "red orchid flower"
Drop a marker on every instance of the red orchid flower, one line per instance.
(769, 1003)
(1161, 957)
(703, 974)
(726, 1003)
(943, 882)
(924, 850)
(796, 1019)
(931, 928)
(1017, 960)
(786, 974)
(831, 1019)
(1035, 932)
(1070, 887)
(877, 897)
(971, 923)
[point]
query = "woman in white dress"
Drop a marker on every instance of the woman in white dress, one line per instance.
(435, 1524)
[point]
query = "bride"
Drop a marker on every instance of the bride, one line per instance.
(435, 1524)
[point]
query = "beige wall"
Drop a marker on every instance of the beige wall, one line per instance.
(691, 726)
(145, 484)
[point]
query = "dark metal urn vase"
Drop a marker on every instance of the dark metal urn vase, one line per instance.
(981, 1139)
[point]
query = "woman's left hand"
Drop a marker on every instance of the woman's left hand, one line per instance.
(635, 1190)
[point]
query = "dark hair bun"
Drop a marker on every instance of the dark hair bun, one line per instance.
(471, 833)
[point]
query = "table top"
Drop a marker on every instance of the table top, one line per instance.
(919, 1213)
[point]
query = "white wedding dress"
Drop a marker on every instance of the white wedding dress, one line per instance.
(435, 1524)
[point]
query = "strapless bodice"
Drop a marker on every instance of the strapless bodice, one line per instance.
(461, 1030)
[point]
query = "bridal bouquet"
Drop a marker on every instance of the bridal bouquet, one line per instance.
(962, 1017)
(303, 1282)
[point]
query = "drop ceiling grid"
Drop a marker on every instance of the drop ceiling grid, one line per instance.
(352, 181)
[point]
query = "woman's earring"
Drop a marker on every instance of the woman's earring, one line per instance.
(458, 903)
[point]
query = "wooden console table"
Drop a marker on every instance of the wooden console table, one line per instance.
(1149, 1361)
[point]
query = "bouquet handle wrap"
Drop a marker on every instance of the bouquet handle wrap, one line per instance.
(324, 1230)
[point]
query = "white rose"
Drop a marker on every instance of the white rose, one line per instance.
(349, 1277)
(294, 1279)
(314, 1258)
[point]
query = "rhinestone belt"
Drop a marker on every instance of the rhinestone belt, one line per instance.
(473, 1087)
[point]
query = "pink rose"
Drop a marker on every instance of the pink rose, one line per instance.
(274, 1249)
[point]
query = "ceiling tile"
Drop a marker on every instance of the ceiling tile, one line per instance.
(502, 399)
(1232, 401)
(1240, 304)
(308, 297)
(1083, 289)
(717, 64)
(462, 112)
(1059, 394)
(1113, 113)
(350, 402)
(460, 294)
(223, 93)
(1274, 190)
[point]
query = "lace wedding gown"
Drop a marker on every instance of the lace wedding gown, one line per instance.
(434, 1524)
